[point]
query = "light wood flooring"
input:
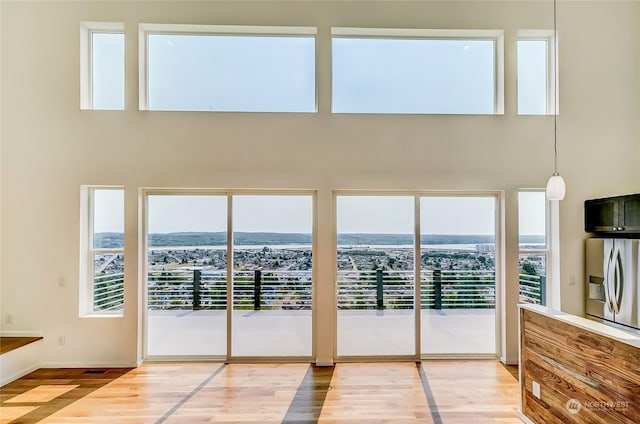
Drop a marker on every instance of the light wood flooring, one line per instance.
(455, 392)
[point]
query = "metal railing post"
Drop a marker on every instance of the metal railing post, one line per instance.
(437, 289)
(379, 289)
(196, 289)
(543, 290)
(257, 283)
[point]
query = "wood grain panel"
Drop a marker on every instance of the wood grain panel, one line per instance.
(570, 363)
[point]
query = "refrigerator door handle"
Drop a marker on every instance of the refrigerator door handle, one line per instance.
(608, 277)
(617, 282)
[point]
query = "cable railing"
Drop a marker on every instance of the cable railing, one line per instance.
(533, 289)
(108, 292)
(252, 290)
(439, 289)
(282, 289)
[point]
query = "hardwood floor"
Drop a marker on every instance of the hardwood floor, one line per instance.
(436, 392)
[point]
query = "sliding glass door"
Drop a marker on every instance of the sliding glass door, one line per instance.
(385, 243)
(458, 275)
(376, 281)
(229, 275)
(272, 277)
(186, 287)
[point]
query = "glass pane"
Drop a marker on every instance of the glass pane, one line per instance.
(231, 73)
(532, 219)
(458, 287)
(186, 280)
(533, 287)
(108, 282)
(272, 277)
(376, 280)
(108, 218)
(532, 230)
(532, 77)
(107, 70)
(375, 75)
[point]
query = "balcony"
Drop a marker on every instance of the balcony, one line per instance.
(187, 310)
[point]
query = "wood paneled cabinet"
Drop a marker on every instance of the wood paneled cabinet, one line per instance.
(617, 215)
(573, 372)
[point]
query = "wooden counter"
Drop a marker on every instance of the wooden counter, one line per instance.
(574, 370)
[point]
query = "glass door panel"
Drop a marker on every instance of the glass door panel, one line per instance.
(186, 277)
(272, 275)
(375, 285)
(458, 291)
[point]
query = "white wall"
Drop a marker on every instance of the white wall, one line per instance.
(50, 147)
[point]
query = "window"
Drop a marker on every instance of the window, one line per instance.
(102, 65)
(535, 69)
(532, 246)
(417, 71)
(102, 243)
(227, 68)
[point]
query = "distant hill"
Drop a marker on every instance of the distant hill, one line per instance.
(111, 240)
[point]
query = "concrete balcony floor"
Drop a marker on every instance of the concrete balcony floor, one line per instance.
(288, 332)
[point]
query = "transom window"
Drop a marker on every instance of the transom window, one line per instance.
(227, 68)
(417, 71)
(535, 72)
(102, 65)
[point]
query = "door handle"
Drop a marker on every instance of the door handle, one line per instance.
(618, 282)
(608, 277)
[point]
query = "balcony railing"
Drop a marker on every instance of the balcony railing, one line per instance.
(282, 289)
(533, 289)
(108, 292)
(439, 289)
(377, 289)
(254, 290)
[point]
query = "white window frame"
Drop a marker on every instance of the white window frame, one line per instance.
(144, 30)
(551, 68)
(497, 36)
(88, 251)
(87, 29)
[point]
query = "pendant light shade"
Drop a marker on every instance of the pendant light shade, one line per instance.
(555, 187)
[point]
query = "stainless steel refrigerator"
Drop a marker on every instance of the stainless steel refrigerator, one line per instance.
(613, 275)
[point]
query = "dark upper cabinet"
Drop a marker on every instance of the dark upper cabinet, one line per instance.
(619, 215)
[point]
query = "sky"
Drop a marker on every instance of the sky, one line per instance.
(294, 213)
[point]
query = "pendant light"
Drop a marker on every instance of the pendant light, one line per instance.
(556, 188)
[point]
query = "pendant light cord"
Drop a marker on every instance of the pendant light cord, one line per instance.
(555, 89)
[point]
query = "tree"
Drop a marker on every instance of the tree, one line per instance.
(528, 268)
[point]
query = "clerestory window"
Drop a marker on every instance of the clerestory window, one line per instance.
(227, 68)
(414, 71)
(102, 53)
